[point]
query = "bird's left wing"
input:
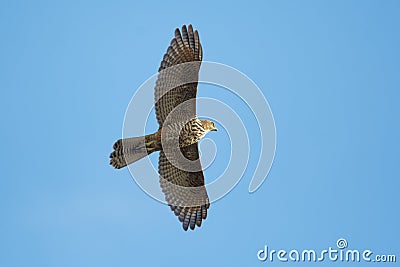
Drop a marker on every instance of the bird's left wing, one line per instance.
(184, 190)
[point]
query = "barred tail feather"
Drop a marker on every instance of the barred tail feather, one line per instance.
(130, 150)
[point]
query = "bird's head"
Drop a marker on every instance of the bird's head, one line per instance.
(208, 125)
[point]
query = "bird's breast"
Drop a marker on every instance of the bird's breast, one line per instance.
(182, 134)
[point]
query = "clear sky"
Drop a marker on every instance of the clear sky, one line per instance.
(68, 69)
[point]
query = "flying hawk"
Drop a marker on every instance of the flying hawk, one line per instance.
(179, 166)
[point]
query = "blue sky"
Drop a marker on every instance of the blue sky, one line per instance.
(329, 70)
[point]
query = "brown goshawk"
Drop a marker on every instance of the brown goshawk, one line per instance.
(179, 166)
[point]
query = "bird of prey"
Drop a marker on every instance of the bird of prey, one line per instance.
(180, 173)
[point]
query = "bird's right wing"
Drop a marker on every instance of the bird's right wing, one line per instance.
(178, 76)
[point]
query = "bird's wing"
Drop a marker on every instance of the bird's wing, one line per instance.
(177, 78)
(184, 190)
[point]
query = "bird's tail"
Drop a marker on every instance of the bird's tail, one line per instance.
(129, 150)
